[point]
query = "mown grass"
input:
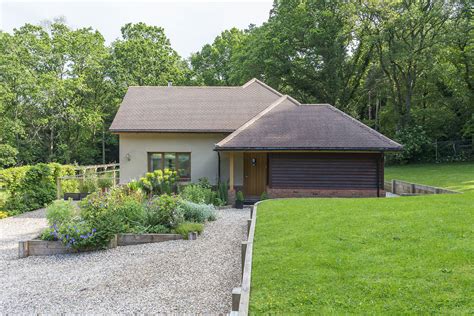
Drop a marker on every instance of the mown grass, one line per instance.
(397, 255)
(455, 176)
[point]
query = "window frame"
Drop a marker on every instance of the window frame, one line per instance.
(176, 161)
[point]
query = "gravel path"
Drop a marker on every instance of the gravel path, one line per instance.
(170, 277)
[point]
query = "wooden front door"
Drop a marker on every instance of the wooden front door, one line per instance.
(255, 174)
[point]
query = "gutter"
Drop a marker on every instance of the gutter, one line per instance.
(364, 149)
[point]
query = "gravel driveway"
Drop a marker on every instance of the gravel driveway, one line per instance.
(170, 277)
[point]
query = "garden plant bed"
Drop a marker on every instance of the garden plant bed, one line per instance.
(37, 247)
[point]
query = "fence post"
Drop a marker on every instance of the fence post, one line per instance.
(394, 183)
(58, 188)
(114, 179)
(236, 292)
(412, 188)
(242, 254)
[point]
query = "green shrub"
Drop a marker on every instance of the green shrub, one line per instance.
(112, 213)
(36, 189)
(159, 182)
(199, 213)
(76, 234)
(415, 143)
(133, 185)
(165, 210)
(204, 183)
(156, 229)
(223, 192)
(105, 182)
(187, 227)
(88, 184)
(197, 194)
(60, 212)
(32, 187)
(264, 196)
(3, 214)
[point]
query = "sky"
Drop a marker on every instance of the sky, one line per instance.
(189, 24)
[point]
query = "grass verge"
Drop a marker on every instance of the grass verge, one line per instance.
(454, 176)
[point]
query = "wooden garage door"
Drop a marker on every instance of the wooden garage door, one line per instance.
(324, 171)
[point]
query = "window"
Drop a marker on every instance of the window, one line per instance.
(180, 162)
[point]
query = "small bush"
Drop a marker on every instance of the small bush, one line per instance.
(197, 194)
(112, 213)
(165, 210)
(264, 196)
(75, 234)
(199, 213)
(204, 183)
(156, 229)
(188, 227)
(3, 214)
(223, 192)
(159, 182)
(105, 182)
(60, 212)
(88, 185)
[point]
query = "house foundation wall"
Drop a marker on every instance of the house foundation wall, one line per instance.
(284, 193)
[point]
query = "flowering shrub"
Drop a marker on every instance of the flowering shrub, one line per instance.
(75, 234)
(159, 182)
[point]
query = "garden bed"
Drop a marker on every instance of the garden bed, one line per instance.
(38, 247)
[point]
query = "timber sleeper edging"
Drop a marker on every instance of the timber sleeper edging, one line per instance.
(241, 295)
(37, 247)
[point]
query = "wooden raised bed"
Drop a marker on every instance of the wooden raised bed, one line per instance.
(37, 247)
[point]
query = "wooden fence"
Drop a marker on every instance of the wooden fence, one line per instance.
(82, 172)
(407, 188)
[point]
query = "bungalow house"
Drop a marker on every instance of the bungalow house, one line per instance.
(252, 136)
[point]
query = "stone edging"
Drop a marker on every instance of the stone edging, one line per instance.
(37, 247)
(241, 295)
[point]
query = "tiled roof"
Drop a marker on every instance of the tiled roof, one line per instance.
(256, 116)
(191, 109)
(292, 126)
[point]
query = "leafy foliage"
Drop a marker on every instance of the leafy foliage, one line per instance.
(187, 227)
(198, 213)
(167, 210)
(159, 182)
(60, 212)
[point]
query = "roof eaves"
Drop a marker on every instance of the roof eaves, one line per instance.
(369, 129)
(252, 120)
(114, 130)
(352, 149)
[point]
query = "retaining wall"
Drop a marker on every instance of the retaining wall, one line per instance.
(407, 188)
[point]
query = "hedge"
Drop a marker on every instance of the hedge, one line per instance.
(31, 187)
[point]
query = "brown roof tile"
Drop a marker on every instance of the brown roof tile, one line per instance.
(191, 109)
(289, 126)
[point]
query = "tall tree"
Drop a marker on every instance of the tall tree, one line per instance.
(213, 64)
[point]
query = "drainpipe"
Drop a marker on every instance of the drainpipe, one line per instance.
(378, 176)
(218, 168)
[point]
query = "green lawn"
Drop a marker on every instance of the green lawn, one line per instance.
(454, 176)
(397, 255)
